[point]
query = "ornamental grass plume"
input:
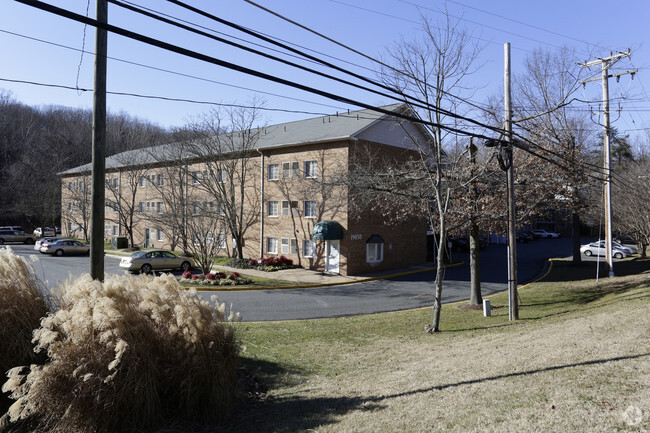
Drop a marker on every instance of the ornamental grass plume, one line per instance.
(128, 354)
(22, 305)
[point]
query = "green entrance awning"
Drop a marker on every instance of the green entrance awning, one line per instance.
(327, 231)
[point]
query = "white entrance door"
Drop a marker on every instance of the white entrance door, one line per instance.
(332, 262)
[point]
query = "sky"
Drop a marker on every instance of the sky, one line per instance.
(39, 47)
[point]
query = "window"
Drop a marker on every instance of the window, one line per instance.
(160, 180)
(308, 248)
(116, 230)
(286, 170)
(160, 235)
(272, 245)
(196, 177)
(272, 208)
(374, 249)
(310, 209)
(294, 246)
(196, 208)
(221, 209)
(295, 169)
(160, 207)
(274, 171)
(142, 182)
(221, 175)
(311, 169)
(289, 206)
(141, 206)
(221, 241)
(285, 249)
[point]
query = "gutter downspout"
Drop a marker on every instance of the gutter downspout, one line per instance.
(261, 202)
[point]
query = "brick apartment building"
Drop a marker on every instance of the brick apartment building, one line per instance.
(292, 207)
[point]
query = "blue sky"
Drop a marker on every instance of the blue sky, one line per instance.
(369, 26)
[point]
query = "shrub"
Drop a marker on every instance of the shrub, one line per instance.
(128, 354)
(242, 263)
(234, 276)
(22, 305)
(209, 276)
(187, 274)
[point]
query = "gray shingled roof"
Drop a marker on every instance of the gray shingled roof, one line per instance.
(301, 132)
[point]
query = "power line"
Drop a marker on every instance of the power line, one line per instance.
(180, 74)
(163, 98)
(379, 62)
(209, 59)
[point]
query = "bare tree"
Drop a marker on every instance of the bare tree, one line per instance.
(224, 144)
(77, 211)
(544, 94)
(631, 214)
(432, 69)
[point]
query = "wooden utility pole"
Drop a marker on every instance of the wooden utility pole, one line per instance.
(99, 148)
(605, 64)
(510, 182)
(475, 297)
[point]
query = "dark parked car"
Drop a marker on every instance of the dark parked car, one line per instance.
(524, 237)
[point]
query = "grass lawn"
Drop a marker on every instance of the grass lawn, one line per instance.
(577, 361)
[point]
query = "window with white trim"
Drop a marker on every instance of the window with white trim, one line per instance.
(285, 247)
(272, 245)
(159, 207)
(311, 169)
(160, 235)
(116, 230)
(374, 249)
(221, 241)
(272, 208)
(274, 172)
(142, 181)
(196, 177)
(308, 248)
(309, 208)
(160, 180)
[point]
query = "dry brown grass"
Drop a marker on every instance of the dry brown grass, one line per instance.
(22, 305)
(128, 354)
(583, 368)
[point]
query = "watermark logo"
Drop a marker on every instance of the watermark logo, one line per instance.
(632, 416)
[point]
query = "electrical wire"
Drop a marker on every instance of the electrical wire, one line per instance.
(412, 100)
(180, 74)
(379, 62)
(209, 59)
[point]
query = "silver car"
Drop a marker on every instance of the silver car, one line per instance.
(599, 249)
(60, 247)
(147, 261)
(15, 236)
(39, 243)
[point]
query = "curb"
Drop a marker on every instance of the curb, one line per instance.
(314, 285)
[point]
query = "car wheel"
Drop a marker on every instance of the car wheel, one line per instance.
(59, 253)
(186, 266)
(587, 253)
(145, 269)
(618, 256)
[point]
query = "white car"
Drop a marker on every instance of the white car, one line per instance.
(544, 234)
(631, 249)
(40, 232)
(598, 249)
(39, 243)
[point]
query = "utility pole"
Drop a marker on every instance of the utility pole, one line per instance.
(605, 64)
(510, 182)
(475, 297)
(99, 148)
